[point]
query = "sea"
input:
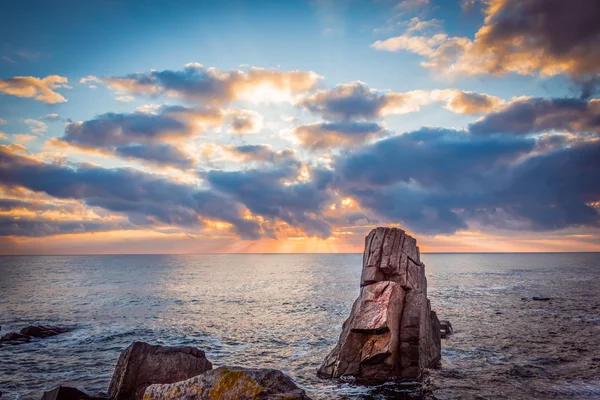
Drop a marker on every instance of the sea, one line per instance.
(286, 311)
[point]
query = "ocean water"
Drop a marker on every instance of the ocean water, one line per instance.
(286, 312)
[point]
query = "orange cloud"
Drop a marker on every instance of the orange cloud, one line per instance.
(23, 138)
(41, 89)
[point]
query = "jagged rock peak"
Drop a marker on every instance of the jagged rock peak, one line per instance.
(392, 255)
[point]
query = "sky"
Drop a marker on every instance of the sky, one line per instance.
(298, 126)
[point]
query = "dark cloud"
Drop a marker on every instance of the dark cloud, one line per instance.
(146, 199)
(438, 181)
(115, 129)
(534, 115)
(161, 154)
(37, 227)
(265, 193)
(272, 191)
(431, 157)
(141, 135)
(346, 102)
(326, 135)
(563, 34)
(557, 189)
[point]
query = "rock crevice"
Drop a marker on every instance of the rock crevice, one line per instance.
(391, 331)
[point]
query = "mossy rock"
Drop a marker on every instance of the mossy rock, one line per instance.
(230, 383)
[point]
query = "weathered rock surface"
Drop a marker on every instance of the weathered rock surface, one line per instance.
(230, 383)
(142, 364)
(391, 331)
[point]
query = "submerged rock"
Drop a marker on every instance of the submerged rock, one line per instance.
(142, 364)
(41, 331)
(391, 331)
(230, 383)
(31, 332)
(14, 338)
(540, 298)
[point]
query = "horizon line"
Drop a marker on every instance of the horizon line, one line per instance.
(308, 253)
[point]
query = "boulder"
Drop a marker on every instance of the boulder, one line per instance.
(230, 383)
(15, 338)
(142, 364)
(41, 331)
(391, 331)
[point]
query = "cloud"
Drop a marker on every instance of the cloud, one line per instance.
(412, 4)
(267, 192)
(51, 117)
(534, 115)
(125, 99)
(357, 101)
(415, 24)
(39, 227)
(141, 135)
(245, 121)
(438, 181)
(2, 121)
(545, 37)
(8, 60)
(465, 102)
(252, 201)
(90, 79)
(23, 138)
(161, 154)
(29, 55)
(41, 89)
(37, 127)
(145, 199)
(326, 135)
(260, 152)
(199, 84)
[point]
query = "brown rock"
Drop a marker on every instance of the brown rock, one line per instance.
(141, 365)
(230, 383)
(391, 331)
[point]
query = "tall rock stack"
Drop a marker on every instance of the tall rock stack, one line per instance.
(391, 331)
